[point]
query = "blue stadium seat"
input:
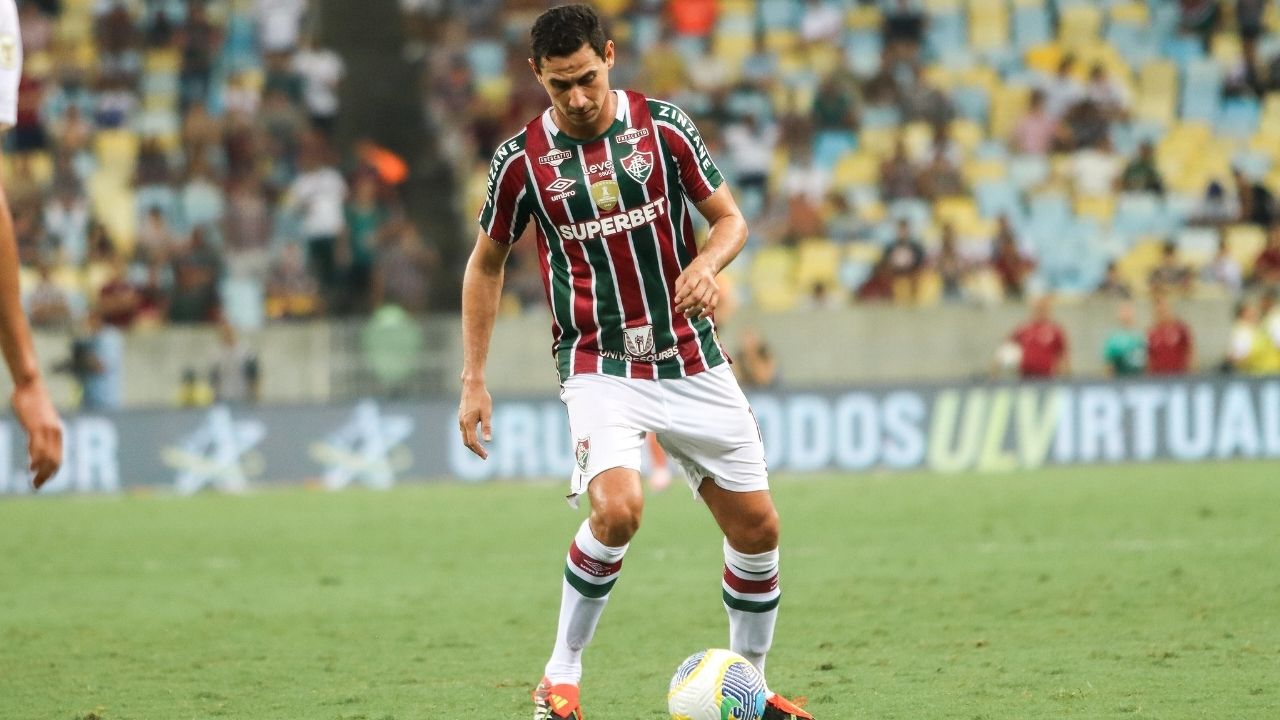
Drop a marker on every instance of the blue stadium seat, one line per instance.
(1138, 214)
(972, 102)
(864, 52)
(1031, 26)
(830, 145)
(1238, 118)
(487, 58)
(946, 40)
(1201, 91)
(1183, 50)
(999, 197)
(881, 116)
(916, 212)
(780, 14)
(1027, 171)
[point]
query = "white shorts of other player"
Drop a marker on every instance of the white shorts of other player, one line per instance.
(702, 421)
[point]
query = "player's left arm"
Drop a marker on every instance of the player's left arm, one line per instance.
(697, 292)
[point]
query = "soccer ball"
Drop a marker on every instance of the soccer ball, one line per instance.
(716, 685)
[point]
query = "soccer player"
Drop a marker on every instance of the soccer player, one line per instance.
(30, 400)
(604, 176)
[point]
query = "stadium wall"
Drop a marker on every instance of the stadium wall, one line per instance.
(941, 428)
(324, 361)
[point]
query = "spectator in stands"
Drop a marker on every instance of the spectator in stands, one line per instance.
(1216, 208)
(234, 376)
(878, 286)
(402, 267)
(153, 296)
(920, 101)
(806, 177)
(199, 41)
(279, 23)
(318, 194)
(1171, 275)
(47, 304)
(692, 18)
(155, 239)
(1257, 206)
(905, 258)
(1223, 270)
(365, 216)
(1141, 174)
(952, 267)
(1199, 18)
(904, 24)
(1113, 284)
(1266, 268)
(756, 367)
(246, 228)
(820, 297)
(1250, 351)
(97, 360)
(1125, 351)
(751, 146)
(834, 106)
(35, 27)
(201, 133)
(196, 270)
(940, 178)
(1110, 96)
(321, 70)
(1084, 126)
(1095, 170)
(1062, 91)
(118, 300)
(842, 221)
(66, 220)
(1169, 345)
(1035, 132)
(1250, 16)
(822, 22)
(292, 293)
(1043, 343)
(1011, 265)
(898, 178)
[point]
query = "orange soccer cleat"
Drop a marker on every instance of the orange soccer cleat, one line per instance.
(556, 702)
(780, 708)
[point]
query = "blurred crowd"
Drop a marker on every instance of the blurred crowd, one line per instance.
(175, 161)
(919, 152)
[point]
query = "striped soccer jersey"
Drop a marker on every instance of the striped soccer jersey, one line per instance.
(614, 233)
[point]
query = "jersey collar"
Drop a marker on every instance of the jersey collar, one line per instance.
(623, 114)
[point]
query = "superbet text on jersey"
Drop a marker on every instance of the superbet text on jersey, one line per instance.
(614, 233)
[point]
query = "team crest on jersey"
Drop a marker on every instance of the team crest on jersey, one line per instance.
(554, 157)
(582, 452)
(605, 193)
(632, 136)
(638, 340)
(638, 164)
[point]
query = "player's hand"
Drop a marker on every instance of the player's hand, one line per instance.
(44, 430)
(697, 292)
(476, 408)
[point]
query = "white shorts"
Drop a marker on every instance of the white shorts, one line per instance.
(702, 421)
(10, 63)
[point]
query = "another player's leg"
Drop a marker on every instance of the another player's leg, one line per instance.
(660, 469)
(750, 587)
(591, 569)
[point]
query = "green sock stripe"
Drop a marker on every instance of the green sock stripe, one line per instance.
(585, 588)
(750, 606)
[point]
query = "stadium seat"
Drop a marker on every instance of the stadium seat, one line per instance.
(817, 262)
(1244, 242)
(1032, 26)
(1079, 25)
(996, 198)
(772, 279)
(1028, 171)
(855, 169)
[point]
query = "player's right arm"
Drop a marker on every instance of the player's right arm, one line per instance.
(502, 220)
(481, 295)
(31, 402)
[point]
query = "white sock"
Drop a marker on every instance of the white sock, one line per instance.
(751, 595)
(590, 571)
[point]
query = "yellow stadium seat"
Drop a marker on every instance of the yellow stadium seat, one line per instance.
(1078, 25)
(1098, 207)
(737, 7)
(772, 279)
(1008, 105)
(978, 76)
(918, 137)
(818, 261)
(977, 171)
(1044, 58)
(1130, 13)
(824, 58)
(780, 39)
(1029, 3)
(929, 290)
(942, 7)
(733, 48)
(112, 203)
(879, 141)
(961, 212)
(1138, 263)
(1227, 49)
(988, 25)
(1157, 91)
(967, 134)
(864, 253)
(163, 62)
(864, 17)
(117, 152)
(872, 212)
(856, 169)
(1244, 242)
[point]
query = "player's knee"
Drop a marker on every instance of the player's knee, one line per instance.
(758, 533)
(615, 520)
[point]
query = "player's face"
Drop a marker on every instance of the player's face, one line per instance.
(578, 86)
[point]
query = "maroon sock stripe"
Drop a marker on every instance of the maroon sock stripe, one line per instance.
(590, 565)
(750, 587)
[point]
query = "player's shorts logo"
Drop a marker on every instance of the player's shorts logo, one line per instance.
(605, 193)
(555, 157)
(638, 164)
(8, 52)
(582, 452)
(561, 189)
(638, 340)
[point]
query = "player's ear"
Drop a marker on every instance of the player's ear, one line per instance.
(537, 71)
(608, 54)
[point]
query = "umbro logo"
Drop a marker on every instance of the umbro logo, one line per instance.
(561, 188)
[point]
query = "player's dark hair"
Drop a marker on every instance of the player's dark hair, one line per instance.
(561, 31)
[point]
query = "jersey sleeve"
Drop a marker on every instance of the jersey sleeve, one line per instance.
(699, 176)
(507, 206)
(10, 63)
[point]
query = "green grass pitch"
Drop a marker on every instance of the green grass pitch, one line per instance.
(1135, 592)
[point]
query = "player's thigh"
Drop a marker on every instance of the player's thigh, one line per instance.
(608, 418)
(712, 433)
